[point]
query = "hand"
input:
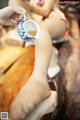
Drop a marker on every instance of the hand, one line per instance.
(11, 15)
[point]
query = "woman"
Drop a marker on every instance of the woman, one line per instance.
(10, 16)
(52, 24)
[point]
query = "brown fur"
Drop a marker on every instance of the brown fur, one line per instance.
(15, 77)
(69, 80)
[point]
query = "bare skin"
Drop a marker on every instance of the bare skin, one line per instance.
(11, 15)
(46, 106)
(37, 88)
(29, 94)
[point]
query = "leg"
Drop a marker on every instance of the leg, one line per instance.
(37, 88)
(45, 107)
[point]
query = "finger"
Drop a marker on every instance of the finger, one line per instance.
(20, 17)
(14, 22)
(17, 17)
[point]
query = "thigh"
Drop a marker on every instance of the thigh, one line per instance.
(55, 26)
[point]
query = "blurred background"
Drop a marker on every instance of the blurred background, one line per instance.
(3, 3)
